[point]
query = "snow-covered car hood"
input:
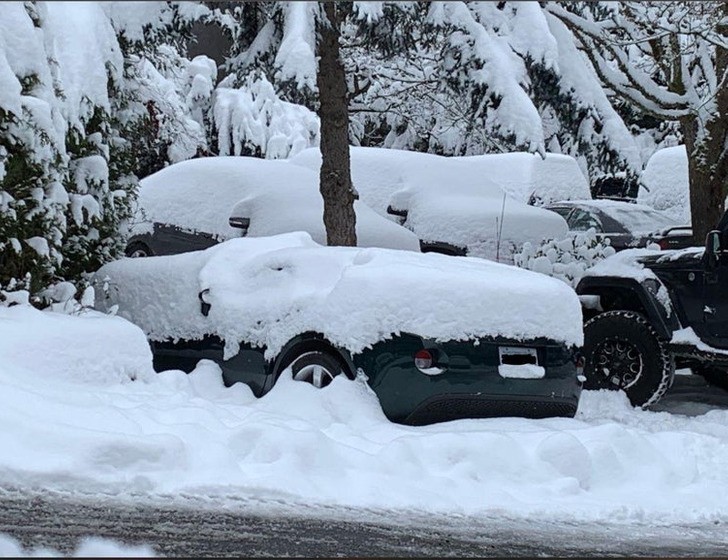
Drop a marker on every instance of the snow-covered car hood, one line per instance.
(267, 290)
(200, 194)
(638, 263)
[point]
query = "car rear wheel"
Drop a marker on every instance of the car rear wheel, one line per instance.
(623, 351)
(138, 249)
(316, 368)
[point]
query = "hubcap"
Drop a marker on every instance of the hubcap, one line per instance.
(618, 364)
(316, 374)
(138, 253)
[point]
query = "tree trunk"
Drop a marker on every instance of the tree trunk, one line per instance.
(708, 159)
(336, 186)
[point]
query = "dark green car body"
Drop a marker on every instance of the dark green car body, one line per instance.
(469, 385)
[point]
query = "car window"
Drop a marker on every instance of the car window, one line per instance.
(638, 219)
(581, 220)
(562, 211)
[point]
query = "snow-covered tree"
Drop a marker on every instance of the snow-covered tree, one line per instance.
(448, 77)
(670, 59)
(62, 206)
(167, 97)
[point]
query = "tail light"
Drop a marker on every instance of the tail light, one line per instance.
(664, 244)
(580, 362)
(424, 359)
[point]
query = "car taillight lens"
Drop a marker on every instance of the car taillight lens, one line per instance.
(663, 244)
(580, 362)
(424, 359)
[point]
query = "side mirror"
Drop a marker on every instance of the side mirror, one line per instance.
(712, 248)
(240, 223)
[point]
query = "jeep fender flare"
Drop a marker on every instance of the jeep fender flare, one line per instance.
(628, 294)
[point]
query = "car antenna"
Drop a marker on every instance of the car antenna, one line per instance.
(500, 229)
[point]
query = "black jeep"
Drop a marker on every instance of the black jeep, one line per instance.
(648, 312)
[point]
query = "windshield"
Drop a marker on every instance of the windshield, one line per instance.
(637, 218)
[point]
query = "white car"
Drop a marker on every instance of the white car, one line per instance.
(451, 204)
(197, 203)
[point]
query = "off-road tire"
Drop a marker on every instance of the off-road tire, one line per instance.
(315, 367)
(639, 363)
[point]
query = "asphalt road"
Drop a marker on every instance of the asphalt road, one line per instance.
(260, 528)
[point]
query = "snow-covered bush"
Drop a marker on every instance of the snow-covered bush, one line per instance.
(253, 120)
(565, 259)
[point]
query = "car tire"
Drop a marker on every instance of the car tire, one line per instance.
(623, 351)
(715, 376)
(138, 249)
(317, 368)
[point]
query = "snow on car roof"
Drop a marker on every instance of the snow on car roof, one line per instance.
(522, 174)
(636, 218)
(200, 194)
(448, 199)
(267, 290)
(665, 183)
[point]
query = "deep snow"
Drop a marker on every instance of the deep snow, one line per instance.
(74, 421)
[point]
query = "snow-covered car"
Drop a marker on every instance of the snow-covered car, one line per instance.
(438, 338)
(626, 224)
(452, 204)
(197, 203)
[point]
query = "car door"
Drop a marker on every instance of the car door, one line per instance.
(171, 240)
(715, 305)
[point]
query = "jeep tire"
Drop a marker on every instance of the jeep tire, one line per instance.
(623, 351)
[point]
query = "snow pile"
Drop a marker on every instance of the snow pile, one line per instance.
(64, 348)
(88, 547)
(253, 120)
(566, 259)
(267, 290)
(666, 184)
(530, 177)
(177, 436)
(278, 197)
(447, 199)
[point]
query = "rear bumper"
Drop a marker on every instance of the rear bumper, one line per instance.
(443, 408)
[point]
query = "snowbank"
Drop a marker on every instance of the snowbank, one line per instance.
(278, 197)
(267, 290)
(66, 348)
(667, 183)
(175, 436)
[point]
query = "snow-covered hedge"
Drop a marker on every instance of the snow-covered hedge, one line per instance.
(566, 259)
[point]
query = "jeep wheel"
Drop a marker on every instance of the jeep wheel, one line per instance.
(623, 351)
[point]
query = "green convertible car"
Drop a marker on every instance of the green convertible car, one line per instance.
(437, 338)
